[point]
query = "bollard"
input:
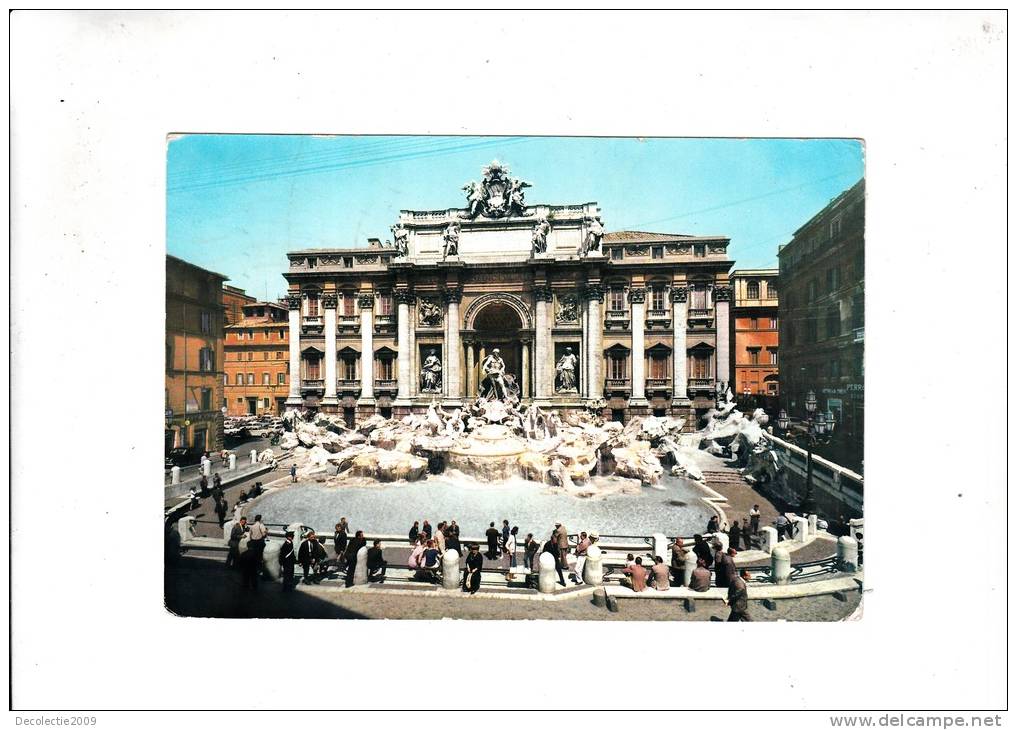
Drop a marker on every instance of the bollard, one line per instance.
(227, 528)
(254, 456)
(360, 572)
(612, 604)
(690, 565)
(233, 462)
(847, 554)
(270, 559)
(660, 546)
(175, 475)
(855, 526)
(450, 570)
(780, 565)
(185, 527)
(768, 539)
(600, 598)
(813, 525)
(206, 467)
(297, 528)
(548, 575)
(593, 569)
(803, 529)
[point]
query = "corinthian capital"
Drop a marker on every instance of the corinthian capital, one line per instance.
(542, 294)
(679, 294)
(329, 300)
(637, 295)
(292, 301)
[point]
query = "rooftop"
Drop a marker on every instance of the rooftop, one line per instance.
(624, 236)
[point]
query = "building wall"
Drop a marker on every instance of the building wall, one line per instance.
(194, 324)
(234, 300)
(822, 317)
(257, 346)
(755, 329)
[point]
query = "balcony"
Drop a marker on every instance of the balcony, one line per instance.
(345, 385)
(618, 386)
(656, 385)
(385, 385)
(699, 385)
(312, 325)
(658, 319)
(616, 319)
(312, 385)
(384, 323)
(348, 323)
(859, 334)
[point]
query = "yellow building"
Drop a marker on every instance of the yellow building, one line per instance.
(194, 356)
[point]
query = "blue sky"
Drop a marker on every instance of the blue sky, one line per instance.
(236, 203)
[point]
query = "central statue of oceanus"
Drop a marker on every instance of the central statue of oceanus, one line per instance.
(497, 384)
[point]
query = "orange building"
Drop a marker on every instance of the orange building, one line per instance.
(194, 351)
(754, 336)
(256, 374)
(234, 300)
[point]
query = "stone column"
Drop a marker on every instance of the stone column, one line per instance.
(254, 456)
(722, 295)
(450, 570)
(453, 348)
(780, 566)
(175, 475)
(690, 565)
(366, 302)
(584, 351)
(233, 462)
(637, 301)
(847, 554)
(404, 298)
(328, 302)
(526, 370)
(471, 379)
(661, 546)
(412, 344)
(679, 322)
(593, 568)
(595, 352)
(542, 344)
(294, 399)
(547, 576)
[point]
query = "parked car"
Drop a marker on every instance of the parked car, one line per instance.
(183, 456)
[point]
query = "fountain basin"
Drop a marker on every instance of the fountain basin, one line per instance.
(490, 453)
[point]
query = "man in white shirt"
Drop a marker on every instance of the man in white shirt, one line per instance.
(581, 548)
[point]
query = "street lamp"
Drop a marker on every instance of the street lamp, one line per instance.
(820, 430)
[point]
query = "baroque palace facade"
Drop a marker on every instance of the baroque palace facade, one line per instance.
(629, 323)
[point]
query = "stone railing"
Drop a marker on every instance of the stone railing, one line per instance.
(658, 383)
(312, 384)
(835, 486)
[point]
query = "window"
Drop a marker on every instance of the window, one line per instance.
(264, 355)
(282, 334)
(169, 356)
(658, 367)
(811, 330)
(753, 355)
(616, 303)
(281, 379)
(857, 311)
(657, 252)
(312, 261)
(834, 228)
(832, 321)
(832, 279)
(312, 304)
(771, 290)
(265, 403)
(206, 322)
(385, 303)
(265, 334)
(250, 378)
(771, 388)
(279, 355)
(349, 368)
(773, 355)
(773, 323)
(348, 305)
(250, 356)
(790, 334)
(701, 366)
(699, 250)
(385, 369)
(347, 262)
(811, 295)
(266, 379)
(617, 253)
(752, 290)
(754, 323)
(206, 399)
(206, 360)
(314, 369)
(658, 298)
(618, 367)
(700, 297)
(240, 378)
(225, 379)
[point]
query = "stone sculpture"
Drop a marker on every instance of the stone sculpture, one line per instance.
(568, 309)
(539, 236)
(493, 386)
(429, 313)
(497, 195)
(594, 234)
(401, 236)
(451, 237)
(430, 373)
(565, 382)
